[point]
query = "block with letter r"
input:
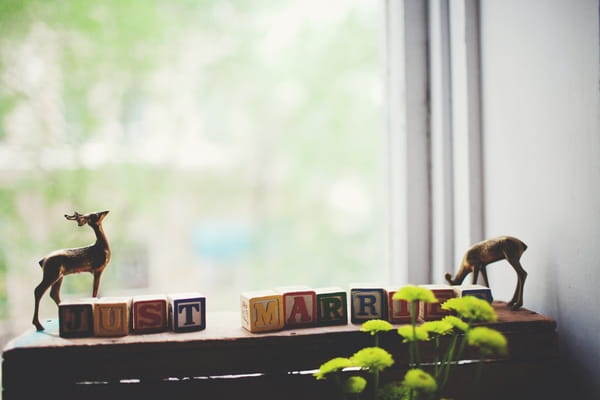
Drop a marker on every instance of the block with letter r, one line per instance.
(187, 312)
(367, 302)
(332, 306)
(262, 311)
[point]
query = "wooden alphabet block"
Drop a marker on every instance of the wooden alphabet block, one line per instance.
(76, 318)
(480, 291)
(111, 316)
(367, 302)
(299, 306)
(398, 310)
(262, 311)
(433, 311)
(187, 312)
(332, 306)
(149, 314)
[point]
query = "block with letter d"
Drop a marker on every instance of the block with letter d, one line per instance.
(76, 318)
(299, 306)
(187, 312)
(262, 311)
(367, 302)
(111, 316)
(480, 291)
(433, 311)
(332, 306)
(149, 314)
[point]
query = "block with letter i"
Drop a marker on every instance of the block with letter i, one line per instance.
(299, 306)
(332, 306)
(262, 311)
(149, 314)
(76, 318)
(187, 312)
(480, 291)
(111, 316)
(433, 311)
(367, 302)
(398, 310)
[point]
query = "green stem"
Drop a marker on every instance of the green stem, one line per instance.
(375, 383)
(475, 385)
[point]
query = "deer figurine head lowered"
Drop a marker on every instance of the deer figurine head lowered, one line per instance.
(56, 265)
(483, 253)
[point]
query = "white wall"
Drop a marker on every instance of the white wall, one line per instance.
(541, 157)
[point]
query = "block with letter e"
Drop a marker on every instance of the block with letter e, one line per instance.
(187, 312)
(367, 302)
(332, 306)
(299, 306)
(111, 316)
(149, 314)
(480, 291)
(76, 318)
(262, 311)
(433, 311)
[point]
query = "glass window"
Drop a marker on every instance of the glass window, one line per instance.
(238, 145)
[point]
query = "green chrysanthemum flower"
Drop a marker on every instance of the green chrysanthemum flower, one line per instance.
(372, 358)
(333, 365)
(354, 385)
(456, 322)
(415, 293)
(393, 391)
(376, 325)
(413, 335)
(439, 328)
(417, 379)
(471, 308)
(488, 340)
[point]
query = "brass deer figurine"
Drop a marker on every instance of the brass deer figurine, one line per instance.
(56, 265)
(483, 253)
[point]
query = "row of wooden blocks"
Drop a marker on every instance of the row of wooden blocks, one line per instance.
(119, 316)
(296, 307)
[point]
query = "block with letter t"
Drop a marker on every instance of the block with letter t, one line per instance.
(433, 311)
(187, 312)
(76, 318)
(332, 306)
(149, 314)
(299, 306)
(367, 302)
(262, 311)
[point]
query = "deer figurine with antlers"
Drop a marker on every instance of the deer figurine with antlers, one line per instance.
(56, 265)
(483, 253)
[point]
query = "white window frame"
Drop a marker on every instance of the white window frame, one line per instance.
(433, 136)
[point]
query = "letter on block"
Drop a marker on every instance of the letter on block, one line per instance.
(480, 291)
(398, 310)
(332, 306)
(262, 311)
(432, 311)
(299, 306)
(187, 312)
(367, 302)
(111, 316)
(149, 314)
(76, 318)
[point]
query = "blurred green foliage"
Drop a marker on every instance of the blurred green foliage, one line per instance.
(285, 100)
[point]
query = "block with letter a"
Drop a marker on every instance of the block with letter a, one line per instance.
(299, 306)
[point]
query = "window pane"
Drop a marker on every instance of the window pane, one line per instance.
(237, 145)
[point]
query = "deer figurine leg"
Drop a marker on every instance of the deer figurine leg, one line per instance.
(517, 299)
(97, 276)
(55, 291)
